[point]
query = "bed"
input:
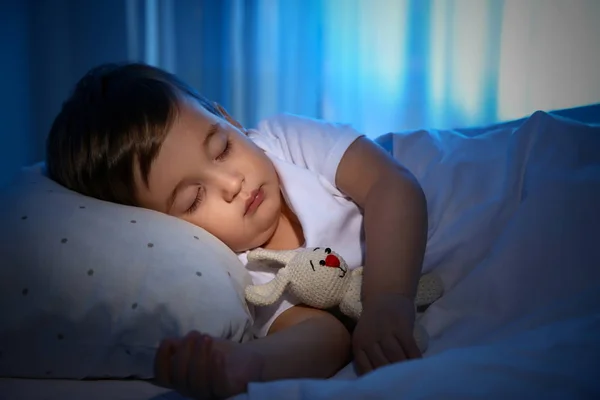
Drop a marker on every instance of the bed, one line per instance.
(520, 317)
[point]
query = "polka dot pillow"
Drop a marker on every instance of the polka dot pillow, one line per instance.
(88, 288)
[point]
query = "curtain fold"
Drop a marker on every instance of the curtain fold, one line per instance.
(384, 65)
(381, 65)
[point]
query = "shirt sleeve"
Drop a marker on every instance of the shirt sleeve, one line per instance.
(310, 143)
(265, 316)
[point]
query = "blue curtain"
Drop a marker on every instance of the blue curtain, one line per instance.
(382, 65)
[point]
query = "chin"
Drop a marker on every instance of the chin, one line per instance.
(262, 236)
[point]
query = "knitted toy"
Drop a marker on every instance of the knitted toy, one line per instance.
(320, 278)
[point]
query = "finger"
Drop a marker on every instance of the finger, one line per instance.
(198, 368)
(218, 375)
(362, 362)
(376, 356)
(162, 361)
(180, 362)
(409, 344)
(392, 348)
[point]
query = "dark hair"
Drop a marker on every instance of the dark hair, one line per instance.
(115, 120)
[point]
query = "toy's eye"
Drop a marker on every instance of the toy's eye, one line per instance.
(327, 250)
(322, 263)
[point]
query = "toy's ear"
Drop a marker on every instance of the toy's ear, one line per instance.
(279, 256)
(268, 293)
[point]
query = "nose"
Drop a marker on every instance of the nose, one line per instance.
(229, 183)
(332, 261)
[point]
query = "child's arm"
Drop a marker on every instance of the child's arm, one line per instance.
(317, 346)
(395, 218)
(395, 224)
(203, 367)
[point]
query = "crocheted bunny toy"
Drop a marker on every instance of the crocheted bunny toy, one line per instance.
(320, 278)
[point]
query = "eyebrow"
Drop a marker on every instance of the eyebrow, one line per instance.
(212, 130)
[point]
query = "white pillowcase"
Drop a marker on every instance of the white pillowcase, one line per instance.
(89, 288)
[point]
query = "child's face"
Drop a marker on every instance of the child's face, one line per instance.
(206, 172)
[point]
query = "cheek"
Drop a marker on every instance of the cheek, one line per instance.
(257, 157)
(214, 219)
(266, 168)
(220, 224)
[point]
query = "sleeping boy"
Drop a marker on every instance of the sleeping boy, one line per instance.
(136, 135)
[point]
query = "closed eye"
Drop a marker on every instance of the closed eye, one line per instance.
(197, 201)
(223, 155)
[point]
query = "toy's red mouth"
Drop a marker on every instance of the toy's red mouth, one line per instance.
(343, 270)
(332, 261)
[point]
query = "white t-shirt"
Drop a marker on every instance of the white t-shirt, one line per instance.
(306, 154)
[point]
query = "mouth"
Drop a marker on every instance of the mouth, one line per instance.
(342, 273)
(256, 198)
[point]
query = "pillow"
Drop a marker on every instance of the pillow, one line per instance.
(89, 288)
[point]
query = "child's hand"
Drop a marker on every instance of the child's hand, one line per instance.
(384, 333)
(203, 367)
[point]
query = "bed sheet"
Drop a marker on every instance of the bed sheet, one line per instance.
(514, 216)
(56, 389)
(65, 389)
(537, 196)
(551, 354)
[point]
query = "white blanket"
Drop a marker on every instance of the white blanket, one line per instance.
(515, 235)
(559, 359)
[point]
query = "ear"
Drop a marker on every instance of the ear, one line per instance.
(228, 117)
(280, 256)
(268, 293)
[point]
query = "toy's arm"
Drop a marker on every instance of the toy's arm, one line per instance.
(268, 293)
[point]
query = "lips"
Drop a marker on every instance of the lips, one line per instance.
(255, 200)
